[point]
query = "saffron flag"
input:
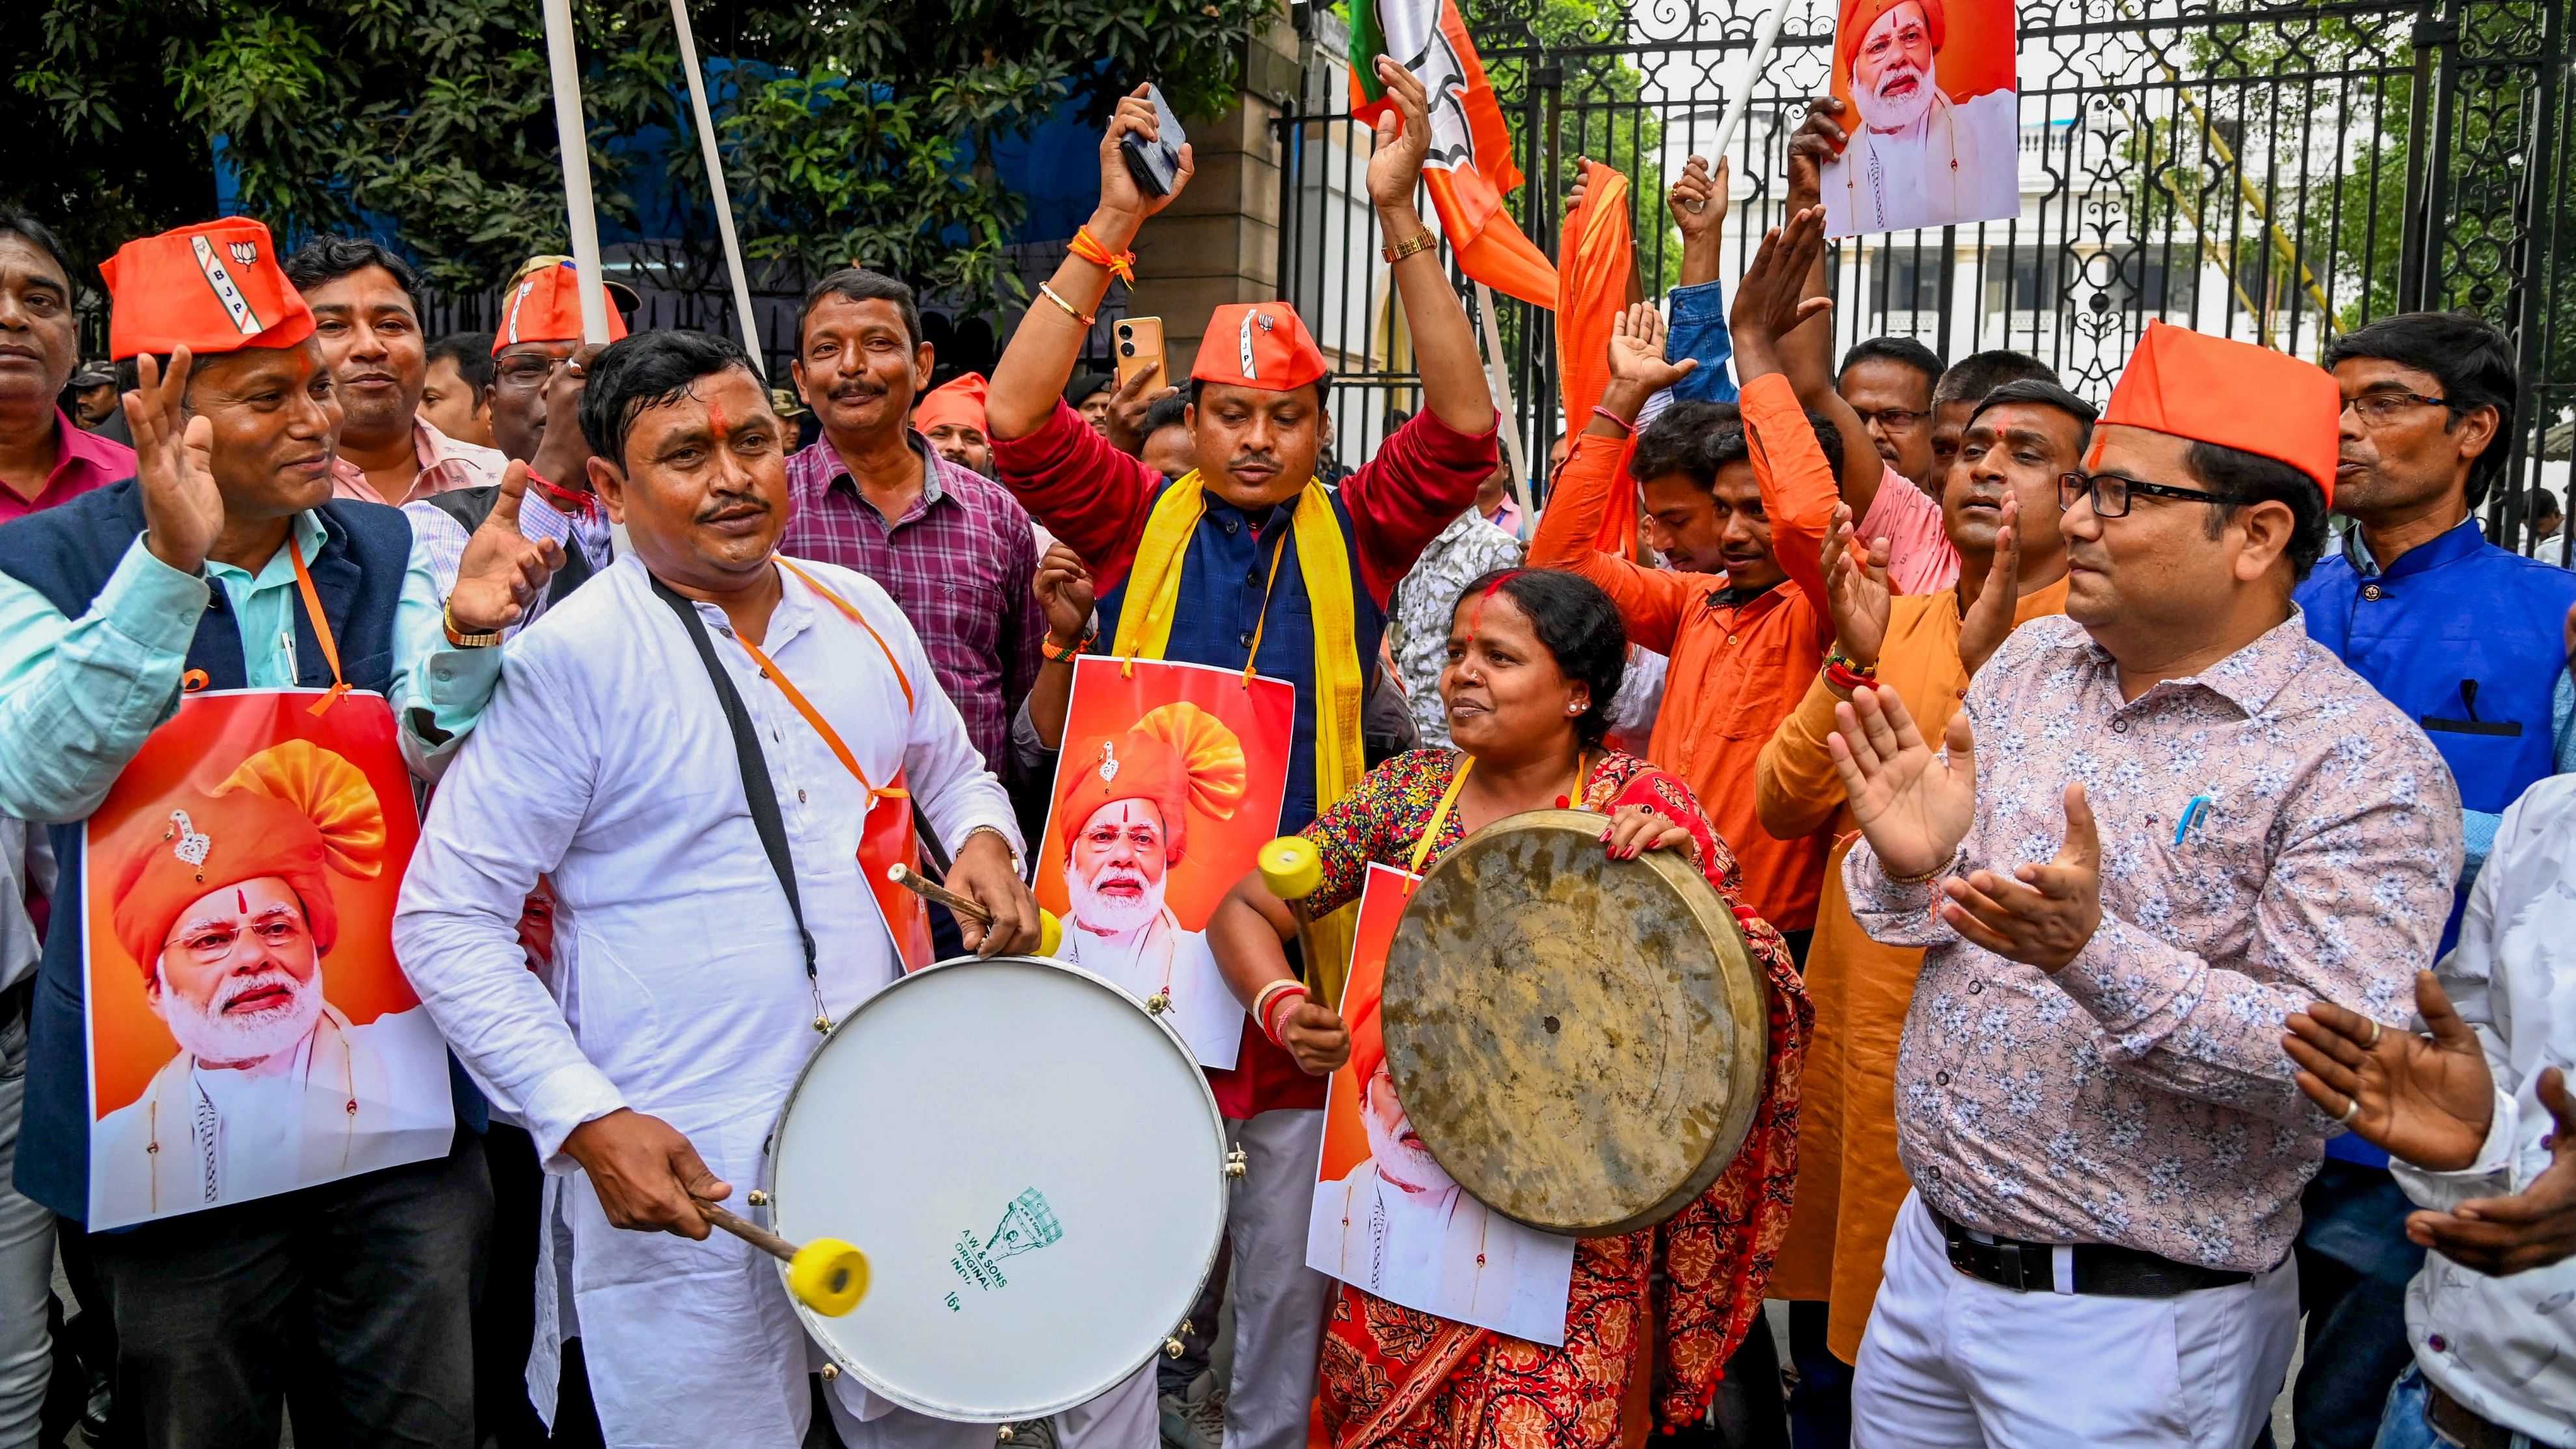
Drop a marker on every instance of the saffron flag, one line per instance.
(1470, 169)
(1596, 259)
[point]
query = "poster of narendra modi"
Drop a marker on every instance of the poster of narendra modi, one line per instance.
(1932, 116)
(1387, 1218)
(1169, 783)
(249, 1031)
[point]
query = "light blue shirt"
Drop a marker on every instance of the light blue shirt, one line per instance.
(78, 696)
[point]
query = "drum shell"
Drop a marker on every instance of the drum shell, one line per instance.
(1576, 1089)
(1044, 1055)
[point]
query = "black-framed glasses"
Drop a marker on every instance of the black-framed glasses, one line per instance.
(1894, 420)
(2385, 406)
(2111, 492)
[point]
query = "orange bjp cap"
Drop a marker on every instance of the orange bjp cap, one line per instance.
(960, 400)
(212, 287)
(544, 305)
(1263, 345)
(2235, 394)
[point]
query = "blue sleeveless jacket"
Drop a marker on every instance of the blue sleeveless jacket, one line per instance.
(67, 554)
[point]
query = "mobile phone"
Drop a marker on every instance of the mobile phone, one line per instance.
(1156, 165)
(1140, 343)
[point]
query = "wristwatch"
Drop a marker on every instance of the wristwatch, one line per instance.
(1397, 251)
(459, 638)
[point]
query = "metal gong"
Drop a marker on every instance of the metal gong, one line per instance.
(1579, 1041)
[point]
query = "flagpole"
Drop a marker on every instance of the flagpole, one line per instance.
(716, 184)
(573, 137)
(1766, 38)
(1498, 374)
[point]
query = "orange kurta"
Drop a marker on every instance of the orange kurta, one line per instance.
(1736, 672)
(1849, 1180)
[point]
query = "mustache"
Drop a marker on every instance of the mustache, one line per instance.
(847, 391)
(727, 502)
(276, 976)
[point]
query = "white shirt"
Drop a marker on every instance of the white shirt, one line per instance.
(2508, 1345)
(678, 986)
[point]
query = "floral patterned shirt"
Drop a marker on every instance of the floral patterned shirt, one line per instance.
(2140, 1096)
(1418, 617)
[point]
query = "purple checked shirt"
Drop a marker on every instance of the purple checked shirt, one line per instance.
(2140, 1096)
(962, 564)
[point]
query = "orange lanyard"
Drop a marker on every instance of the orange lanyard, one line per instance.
(321, 627)
(805, 707)
(1449, 798)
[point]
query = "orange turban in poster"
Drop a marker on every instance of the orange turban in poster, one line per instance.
(1179, 756)
(2234, 394)
(544, 305)
(1258, 344)
(1368, 1040)
(292, 811)
(959, 401)
(213, 287)
(1972, 45)
(1859, 15)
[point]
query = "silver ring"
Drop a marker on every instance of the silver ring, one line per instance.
(2352, 1109)
(2374, 1034)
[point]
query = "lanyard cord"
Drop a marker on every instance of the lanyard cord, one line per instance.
(321, 627)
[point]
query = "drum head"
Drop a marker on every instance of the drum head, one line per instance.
(1035, 1170)
(1579, 1041)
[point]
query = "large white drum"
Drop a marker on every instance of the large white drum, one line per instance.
(1035, 1170)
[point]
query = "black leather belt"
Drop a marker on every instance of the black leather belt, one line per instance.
(2100, 1268)
(2459, 1424)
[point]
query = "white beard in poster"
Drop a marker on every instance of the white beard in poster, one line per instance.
(1400, 1156)
(1115, 899)
(218, 1037)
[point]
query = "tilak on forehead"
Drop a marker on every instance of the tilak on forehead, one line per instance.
(1476, 616)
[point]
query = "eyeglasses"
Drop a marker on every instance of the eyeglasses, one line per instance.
(2379, 409)
(1894, 420)
(2111, 492)
(213, 942)
(525, 371)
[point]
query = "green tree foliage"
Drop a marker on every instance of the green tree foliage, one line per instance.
(857, 132)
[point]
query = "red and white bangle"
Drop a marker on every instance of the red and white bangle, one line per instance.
(1265, 1007)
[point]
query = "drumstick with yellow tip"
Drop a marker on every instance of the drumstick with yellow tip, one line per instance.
(1050, 930)
(1293, 870)
(826, 1275)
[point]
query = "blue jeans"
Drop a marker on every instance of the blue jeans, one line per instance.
(2354, 1265)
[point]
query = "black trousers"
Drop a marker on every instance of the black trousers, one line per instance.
(350, 1301)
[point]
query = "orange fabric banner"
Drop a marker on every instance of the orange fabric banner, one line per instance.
(1597, 253)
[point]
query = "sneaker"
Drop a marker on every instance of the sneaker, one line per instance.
(1207, 1416)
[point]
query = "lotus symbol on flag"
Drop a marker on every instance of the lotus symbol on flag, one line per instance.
(244, 252)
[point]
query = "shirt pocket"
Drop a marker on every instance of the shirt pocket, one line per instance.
(2486, 757)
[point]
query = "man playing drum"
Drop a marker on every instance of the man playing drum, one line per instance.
(1534, 658)
(642, 727)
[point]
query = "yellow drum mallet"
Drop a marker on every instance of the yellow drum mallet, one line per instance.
(1293, 870)
(826, 1275)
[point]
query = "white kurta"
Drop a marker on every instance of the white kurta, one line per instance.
(678, 987)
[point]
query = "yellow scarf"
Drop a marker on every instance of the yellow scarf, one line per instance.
(1323, 561)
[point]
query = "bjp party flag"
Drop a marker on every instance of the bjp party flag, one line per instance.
(1469, 170)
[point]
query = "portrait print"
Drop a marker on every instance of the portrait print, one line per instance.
(1387, 1218)
(1933, 119)
(250, 1032)
(1169, 783)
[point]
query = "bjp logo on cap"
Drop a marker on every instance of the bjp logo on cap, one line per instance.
(245, 253)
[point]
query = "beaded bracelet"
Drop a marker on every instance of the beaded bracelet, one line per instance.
(1046, 647)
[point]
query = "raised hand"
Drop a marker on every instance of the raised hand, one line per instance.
(1120, 197)
(183, 512)
(2429, 1101)
(1064, 596)
(563, 454)
(502, 571)
(2043, 914)
(2531, 1229)
(1857, 593)
(1989, 621)
(1771, 301)
(1698, 200)
(1819, 139)
(1914, 805)
(1127, 407)
(1637, 353)
(1403, 140)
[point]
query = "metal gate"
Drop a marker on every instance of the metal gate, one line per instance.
(2272, 173)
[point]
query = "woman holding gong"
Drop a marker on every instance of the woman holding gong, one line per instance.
(1534, 658)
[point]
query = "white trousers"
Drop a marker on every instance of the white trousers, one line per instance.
(1950, 1360)
(26, 1259)
(1279, 1302)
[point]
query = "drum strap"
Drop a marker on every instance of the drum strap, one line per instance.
(757, 791)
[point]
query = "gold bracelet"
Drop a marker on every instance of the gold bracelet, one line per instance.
(459, 638)
(1397, 251)
(1069, 310)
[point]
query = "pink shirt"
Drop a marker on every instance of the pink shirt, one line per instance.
(445, 464)
(1920, 559)
(85, 461)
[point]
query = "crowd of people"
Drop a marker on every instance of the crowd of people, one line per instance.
(2146, 820)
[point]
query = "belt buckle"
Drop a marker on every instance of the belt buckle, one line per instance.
(2017, 1266)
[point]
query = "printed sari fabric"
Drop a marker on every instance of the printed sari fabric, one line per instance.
(1394, 1376)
